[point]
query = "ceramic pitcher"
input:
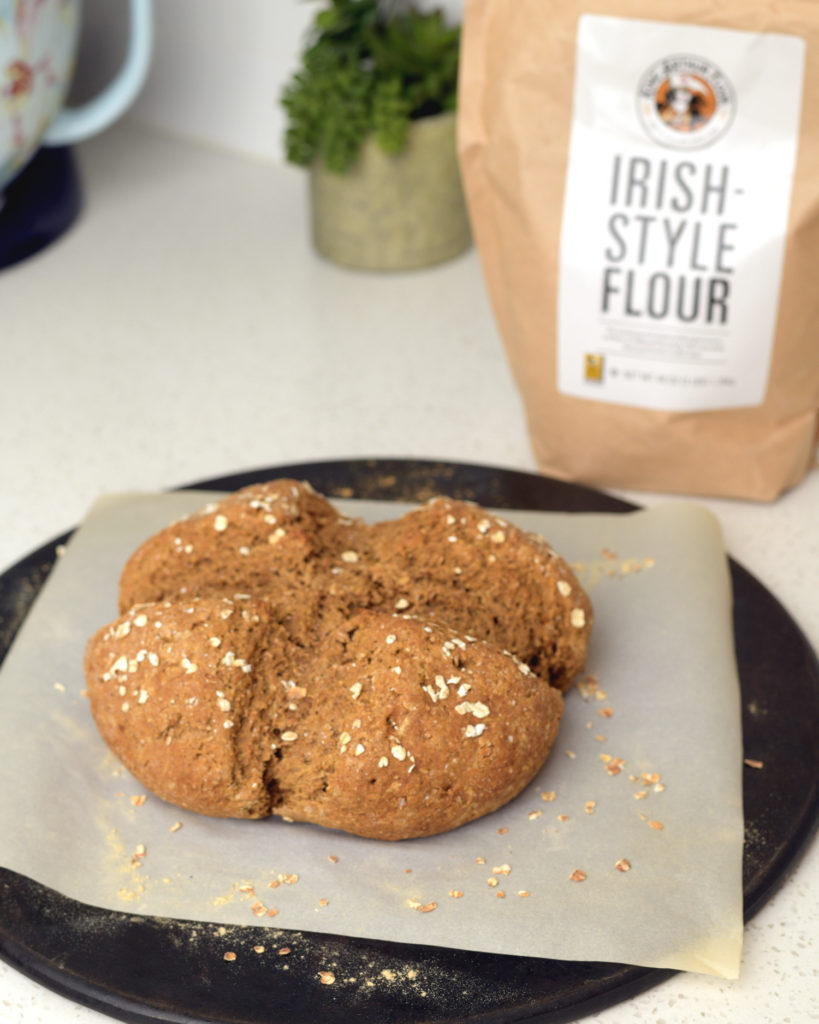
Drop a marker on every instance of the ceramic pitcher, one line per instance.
(38, 44)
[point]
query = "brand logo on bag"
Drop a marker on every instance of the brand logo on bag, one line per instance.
(685, 102)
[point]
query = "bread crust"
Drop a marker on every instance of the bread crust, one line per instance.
(387, 727)
(447, 560)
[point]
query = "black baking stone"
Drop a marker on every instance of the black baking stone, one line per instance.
(155, 969)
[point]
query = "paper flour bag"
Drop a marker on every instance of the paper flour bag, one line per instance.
(643, 184)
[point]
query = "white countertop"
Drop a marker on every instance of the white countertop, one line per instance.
(184, 329)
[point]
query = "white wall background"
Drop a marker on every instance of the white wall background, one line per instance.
(218, 67)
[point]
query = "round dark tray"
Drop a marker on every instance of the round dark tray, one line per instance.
(153, 969)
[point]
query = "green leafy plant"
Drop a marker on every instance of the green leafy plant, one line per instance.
(370, 68)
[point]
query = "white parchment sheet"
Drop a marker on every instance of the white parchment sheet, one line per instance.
(645, 775)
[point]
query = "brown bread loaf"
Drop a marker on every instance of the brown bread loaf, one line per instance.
(393, 680)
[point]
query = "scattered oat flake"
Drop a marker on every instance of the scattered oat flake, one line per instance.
(175, 827)
(259, 909)
(587, 686)
(623, 864)
(229, 956)
(503, 869)
(323, 902)
(548, 795)
(60, 687)
(523, 893)
(492, 881)
(333, 858)
(258, 949)
(563, 817)
(571, 753)
(752, 763)
(590, 806)
(272, 912)
(501, 894)
(456, 894)
(606, 712)
(427, 908)
(532, 815)
(502, 831)
(480, 860)
(641, 794)
(658, 825)
(578, 876)
(138, 799)
(283, 950)
(326, 977)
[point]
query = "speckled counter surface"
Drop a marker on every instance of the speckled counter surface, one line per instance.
(184, 329)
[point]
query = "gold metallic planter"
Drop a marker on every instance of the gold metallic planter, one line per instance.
(394, 212)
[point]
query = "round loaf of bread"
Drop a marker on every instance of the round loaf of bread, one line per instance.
(387, 726)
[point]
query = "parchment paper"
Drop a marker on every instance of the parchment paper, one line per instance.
(646, 770)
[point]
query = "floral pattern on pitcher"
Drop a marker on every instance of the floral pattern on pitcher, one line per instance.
(38, 40)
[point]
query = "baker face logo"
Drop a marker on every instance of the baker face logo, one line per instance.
(685, 102)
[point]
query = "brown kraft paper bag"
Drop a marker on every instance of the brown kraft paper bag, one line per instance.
(643, 185)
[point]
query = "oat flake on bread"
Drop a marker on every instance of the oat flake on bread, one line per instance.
(643, 185)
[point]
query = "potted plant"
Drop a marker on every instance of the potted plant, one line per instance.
(371, 112)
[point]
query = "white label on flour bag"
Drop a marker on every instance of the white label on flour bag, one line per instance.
(681, 159)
